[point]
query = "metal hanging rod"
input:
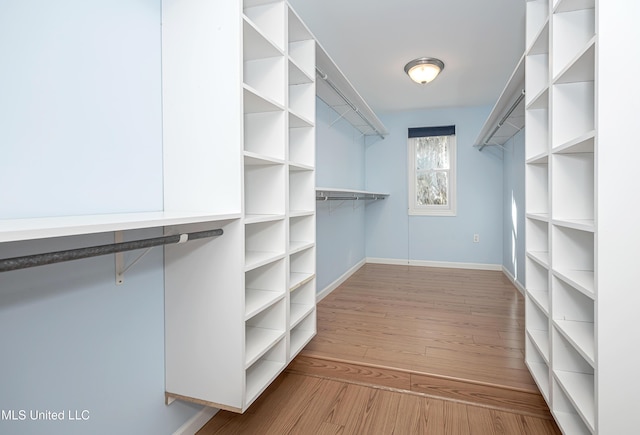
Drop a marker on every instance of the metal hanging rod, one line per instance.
(349, 198)
(325, 77)
(27, 261)
(504, 118)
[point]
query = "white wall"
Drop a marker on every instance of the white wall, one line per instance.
(393, 234)
(81, 133)
(340, 163)
(513, 250)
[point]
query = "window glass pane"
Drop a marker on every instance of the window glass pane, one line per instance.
(432, 152)
(432, 188)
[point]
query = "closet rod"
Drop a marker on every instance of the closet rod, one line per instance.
(325, 77)
(27, 261)
(504, 118)
(348, 198)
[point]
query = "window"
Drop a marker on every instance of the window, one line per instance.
(432, 171)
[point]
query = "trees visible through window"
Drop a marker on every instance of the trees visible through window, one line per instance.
(432, 159)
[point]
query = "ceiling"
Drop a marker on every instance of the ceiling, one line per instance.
(479, 41)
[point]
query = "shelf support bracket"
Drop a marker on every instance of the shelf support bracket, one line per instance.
(342, 115)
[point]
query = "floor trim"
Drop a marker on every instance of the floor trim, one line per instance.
(513, 280)
(335, 284)
(195, 423)
(445, 264)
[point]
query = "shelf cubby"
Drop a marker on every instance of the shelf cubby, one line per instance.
(268, 17)
(264, 286)
(537, 17)
(536, 76)
(582, 68)
(572, 5)
(537, 328)
(573, 316)
(538, 366)
(301, 145)
(302, 333)
(537, 132)
(572, 31)
(565, 413)
(265, 370)
(573, 112)
(538, 285)
(296, 120)
(581, 280)
(264, 189)
(302, 100)
(303, 300)
(572, 188)
(301, 233)
(575, 376)
(301, 268)
(254, 102)
(266, 76)
(537, 188)
(264, 133)
(302, 45)
(263, 331)
(264, 243)
(573, 252)
(302, 191)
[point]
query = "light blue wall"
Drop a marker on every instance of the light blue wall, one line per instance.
(340, 163)
(81, 133)
(513, 249)
(392, 234)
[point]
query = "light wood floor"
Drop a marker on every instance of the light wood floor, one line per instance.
(406, 350)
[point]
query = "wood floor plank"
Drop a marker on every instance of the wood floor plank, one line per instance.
(456, 419)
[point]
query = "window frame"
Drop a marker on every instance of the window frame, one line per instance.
(415, 209)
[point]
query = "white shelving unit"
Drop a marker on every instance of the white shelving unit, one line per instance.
(581, 290)
(229, 338)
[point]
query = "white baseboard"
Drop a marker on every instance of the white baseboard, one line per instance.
(447, 264)
(195, 423)
(513, 279)
(334, 285)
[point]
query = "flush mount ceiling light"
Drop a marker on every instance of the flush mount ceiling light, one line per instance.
(424, 69)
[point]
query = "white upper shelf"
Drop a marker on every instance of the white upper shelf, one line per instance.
(334, 88)
(507, 116)
(331, 193)
(12, 230)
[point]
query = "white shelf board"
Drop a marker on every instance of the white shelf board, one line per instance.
(256, 44)
(297, 279)
(256, 103)
(573, 5)
(581, 336)
(297, 246)
(257, 218)
(299, 167)
(347, 193)
(497, 129)
(299, 312)
(299, 339)
(255, 159)
(580, 69)
(581, 280)
(258, 341)
(12, 230)
(541, 299)
(542, 258)
(257, 300)
(540, 159)
(576, 224)
(261, 374)
(254, 259)
(571, 423)
(539, 101)
(540, 373)
(297, 76)
(543, 217)
(579, 389)
(581, 144)
(301, 213)
(540, 340)
(540, 43)
(297, 120)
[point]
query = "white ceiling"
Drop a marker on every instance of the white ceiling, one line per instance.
(480, 42)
